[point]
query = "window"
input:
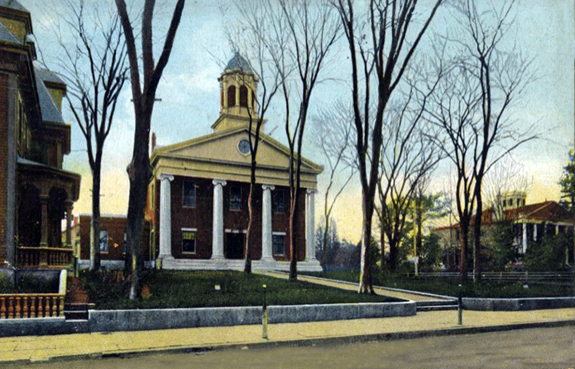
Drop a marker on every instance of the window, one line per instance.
(103, 240)
(244, 96)
(189, 241)
(189, 191)
(504, 203)
(235, 198)
(279, 201)
(232, 96)
(278, 244)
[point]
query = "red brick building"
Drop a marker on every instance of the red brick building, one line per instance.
(197, 200)
(36, 194)
(113, 246)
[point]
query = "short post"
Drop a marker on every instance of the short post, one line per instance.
(265, 315)
(460, 308)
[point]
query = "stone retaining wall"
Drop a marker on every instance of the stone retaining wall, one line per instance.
(148, 319)
(483, 304)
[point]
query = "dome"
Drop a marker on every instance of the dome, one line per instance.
(238, 62)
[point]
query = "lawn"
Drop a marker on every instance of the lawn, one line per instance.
(186, 289)
(450, 286)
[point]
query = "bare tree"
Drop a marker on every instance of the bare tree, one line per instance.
(381, 45)
(453, 110)
(143, 97)
(95, 71)
(505, 177)
(501, 77)
(309, 30)
(250, 38)
(332, 133)
(407, 159)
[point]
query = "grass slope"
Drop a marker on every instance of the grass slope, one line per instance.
(185, 289)
(450, 286)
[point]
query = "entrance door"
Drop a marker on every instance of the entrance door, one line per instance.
(235, 246)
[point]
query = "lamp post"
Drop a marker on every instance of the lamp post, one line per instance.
(265, 315)
(460, 308)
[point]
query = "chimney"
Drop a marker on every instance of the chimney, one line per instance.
(153, 141)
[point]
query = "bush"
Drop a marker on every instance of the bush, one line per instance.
(550, 254)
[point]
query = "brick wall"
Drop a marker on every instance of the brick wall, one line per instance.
(200, 218)
(3, 163)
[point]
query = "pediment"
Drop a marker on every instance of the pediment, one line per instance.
(223, 147)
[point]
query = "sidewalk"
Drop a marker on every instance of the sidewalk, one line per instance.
(39, 348)
(353, 287)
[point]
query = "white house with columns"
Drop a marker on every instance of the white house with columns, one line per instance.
(197, 200)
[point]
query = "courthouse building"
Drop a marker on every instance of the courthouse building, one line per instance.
(197, 200)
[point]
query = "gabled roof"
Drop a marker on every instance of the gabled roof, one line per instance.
(7, 36)
(221, 147)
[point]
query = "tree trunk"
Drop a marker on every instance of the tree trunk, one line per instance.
(139, 174)
(325, 236)
(464, 242)
(419, 231)
(292, 241)
(366, 285)
(392, 254)
(477, 239)
(382, 243)
(248, 248)
(95, 244)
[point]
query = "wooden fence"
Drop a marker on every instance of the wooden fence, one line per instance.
(34, 305)
(525, 276)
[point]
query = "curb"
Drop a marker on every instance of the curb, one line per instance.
(304, 342)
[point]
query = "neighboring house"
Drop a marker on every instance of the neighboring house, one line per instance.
(36, 194)
(113, 245)
(197, 199)
(530, 222)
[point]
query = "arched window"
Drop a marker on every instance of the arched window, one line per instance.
(244, 96)
(232, 96)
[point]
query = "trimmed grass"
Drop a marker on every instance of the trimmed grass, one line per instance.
(186, 289)
(450, 286)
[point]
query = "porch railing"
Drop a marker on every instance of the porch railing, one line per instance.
(34, 305)
(44, 257)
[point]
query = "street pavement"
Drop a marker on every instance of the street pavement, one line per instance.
(518, 349)
(26, 349)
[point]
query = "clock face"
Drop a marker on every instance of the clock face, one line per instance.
(244, 147)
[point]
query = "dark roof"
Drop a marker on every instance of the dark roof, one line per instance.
(238, 62)
(13, 4)
(49, 76)
(50, 112)
(547, 211)
(6, 35)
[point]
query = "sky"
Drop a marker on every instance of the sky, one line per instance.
(189, 91)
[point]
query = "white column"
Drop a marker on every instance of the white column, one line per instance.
(267, 238)
(557, 229)
(165, 216)
(534, 232)
(310, 225)
(218, 220)
(524, 238)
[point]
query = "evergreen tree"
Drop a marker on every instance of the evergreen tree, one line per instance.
(567, 184)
